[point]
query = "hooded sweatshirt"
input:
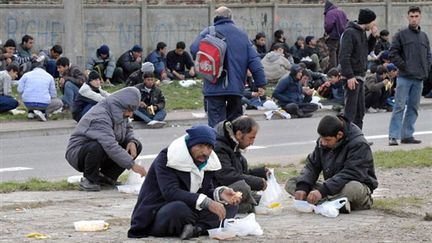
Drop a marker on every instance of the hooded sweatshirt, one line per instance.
(275, 65)
(335, 21)
(105, 124)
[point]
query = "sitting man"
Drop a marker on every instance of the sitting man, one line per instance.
(151, 108)
(89, 95)
(332, 90)
(293, 96)
(312, 50)
(49, 59)
(137, 76)
(103, 144)
(344, 157)
(104, 63)
(253, 97)
(232, 138)
(70, 82)
(158, 58)
(130, 61)
(178, 197)
(377, 90)
(260, 44)
(178, 61)
(275, 64)
(7, 102)
(39, 94)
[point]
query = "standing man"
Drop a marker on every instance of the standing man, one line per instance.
(223, 99)
(353, 60)
(335, 21)
(410, 52)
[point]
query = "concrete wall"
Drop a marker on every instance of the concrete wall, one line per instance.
(81, 28)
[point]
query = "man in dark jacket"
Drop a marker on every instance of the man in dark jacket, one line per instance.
(103, 144)
(335, 21)
(130, 61)
(232, 138)
(353, 60)
(178, 197)
(179, 63)
(223, 99)
(137, 76)
(71, 80)
(344, 157)
(410, 52)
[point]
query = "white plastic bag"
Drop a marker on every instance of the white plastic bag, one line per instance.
(133, 183)
(303, 206)
(245, 226)
(272, 193)
(331, 208)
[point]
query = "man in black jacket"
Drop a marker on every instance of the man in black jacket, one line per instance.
(410, 52)
(344, 157)
(232, 138)
(130, 61)
(353, 60)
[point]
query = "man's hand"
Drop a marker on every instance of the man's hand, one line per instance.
(374, 31)
(132, 149)
(192, 72)
(230, 196)
(218, 209)
(351, 83)
(138, 60)
(314, 196)
(139, 169)
(300, 195)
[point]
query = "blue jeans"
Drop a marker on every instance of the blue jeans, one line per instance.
(7, 103)
(220, 108)
(146, 117)
(408, 91)
(70, 93)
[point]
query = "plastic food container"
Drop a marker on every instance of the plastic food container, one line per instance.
(221, 234)
(91, 225)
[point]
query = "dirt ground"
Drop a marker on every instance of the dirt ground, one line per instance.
(53, 213)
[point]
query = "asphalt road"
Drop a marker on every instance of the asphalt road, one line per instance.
(278, 141)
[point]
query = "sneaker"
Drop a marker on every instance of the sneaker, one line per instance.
(156, 124)
(59, 110)
(345, 208)
(166, 81)
(105, 180)
(40, 115)
(30, 115)
(393, 142)
(410, 140)
(86, 185)
(371, 110)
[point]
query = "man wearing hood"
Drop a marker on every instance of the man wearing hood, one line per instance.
(275, 64)
(335, 21)
(293, 95)
(223, 99)
(178, 197)
(354, 50)
(344, 157)
(103, 144)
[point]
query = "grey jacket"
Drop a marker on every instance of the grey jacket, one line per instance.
(109, 63)
(410, 52)
(105, 124)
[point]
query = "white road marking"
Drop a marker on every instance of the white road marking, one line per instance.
(10, 169)
(148, 156)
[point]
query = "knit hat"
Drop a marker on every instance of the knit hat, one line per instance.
(309, 39)
(385, 55)
(103, 49)
(147, 67)
(391, 67)
(137, 48)
(366, 16)
(93, 75)
(200, 134)
(10, 43)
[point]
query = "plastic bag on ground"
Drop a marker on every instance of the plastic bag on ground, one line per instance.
(245, 226)
(133, 183)
(272, 193)
(331, 208)
(303, 206)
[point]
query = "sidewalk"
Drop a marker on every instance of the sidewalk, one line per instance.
(14, 129)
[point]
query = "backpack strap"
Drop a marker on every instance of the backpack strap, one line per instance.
(213, 32)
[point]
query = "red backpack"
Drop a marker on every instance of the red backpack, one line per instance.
(210, 56)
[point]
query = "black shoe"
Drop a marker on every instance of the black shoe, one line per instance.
(393, 142)
(411, 140)
(190, 231)
(86, 185)
(105, 180)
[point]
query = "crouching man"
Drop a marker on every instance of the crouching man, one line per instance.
(345, 158)
(178, 197)
(103, 145)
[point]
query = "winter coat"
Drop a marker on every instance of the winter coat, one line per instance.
(179, 63)
(240, 56)
(297, 52)
(410, 52)
(350, 160)
(275, 65)
(158, 61)
(154, 97)
(135, 78)
(381, 45)
(127, 62)
(234, 165)
(354, 50)
(335, 21)
(105, 124)
(5, 83)
(87, 95)
(288, 90)
(261, 50)
(109, 63)
(73, 74)
(373, 83)
(173, 176)
(37, 86)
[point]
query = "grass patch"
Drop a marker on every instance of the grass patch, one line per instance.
(395, 205)
(400, 158)
(282, 172)
(36, 185)
(178, 97)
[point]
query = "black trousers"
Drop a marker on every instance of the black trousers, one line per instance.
(220, 108)
(376, 99)
(172, 217)
(92, 160)
(354, 109)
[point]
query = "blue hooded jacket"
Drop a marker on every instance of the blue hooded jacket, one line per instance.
(240, 56)
(289, 89)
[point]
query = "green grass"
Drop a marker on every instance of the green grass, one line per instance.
(400, 158)
(36, 185)
(396, 206)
